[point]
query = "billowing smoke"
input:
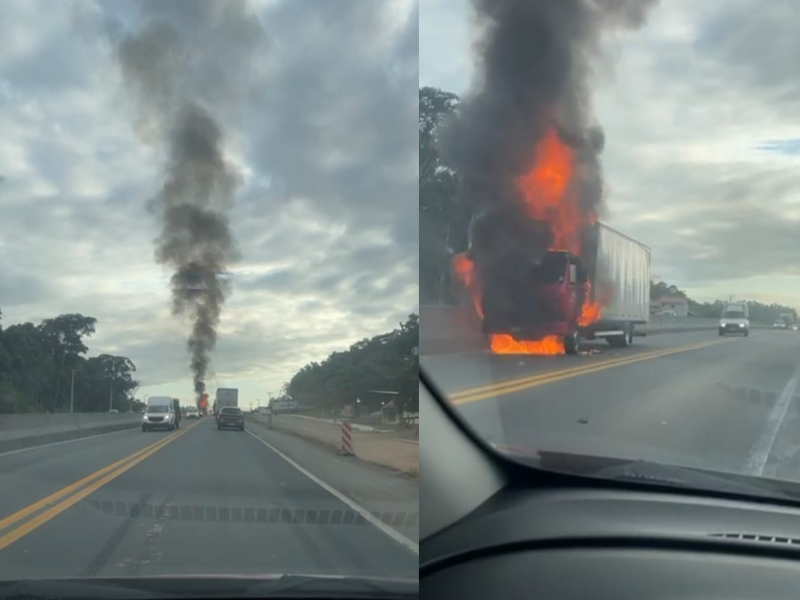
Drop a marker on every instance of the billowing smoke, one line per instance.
(177, 80)
(534, 69)
(195, 237)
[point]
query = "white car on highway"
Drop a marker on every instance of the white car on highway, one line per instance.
(192, 413)
(734, 321)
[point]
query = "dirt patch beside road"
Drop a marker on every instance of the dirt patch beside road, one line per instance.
(384, 449)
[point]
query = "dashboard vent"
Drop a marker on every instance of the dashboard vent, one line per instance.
(752, 537)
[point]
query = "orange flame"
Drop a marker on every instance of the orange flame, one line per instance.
(505, 344)
(590, 311)
(465, 273)
(550, 194)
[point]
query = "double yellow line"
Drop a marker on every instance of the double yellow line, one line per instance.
(515, 385)
(61, 500)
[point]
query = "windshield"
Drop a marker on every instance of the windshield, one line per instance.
(603, 137)
(209, 204)
(550, 269)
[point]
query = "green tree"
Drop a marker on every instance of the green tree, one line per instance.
(36, 364)
(383, 362)
(443, 222)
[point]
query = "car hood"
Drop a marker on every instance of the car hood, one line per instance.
(647, 464)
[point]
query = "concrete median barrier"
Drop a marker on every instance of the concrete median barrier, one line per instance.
(457, 329)
(384, 449)
(29, 430)
(450, 330)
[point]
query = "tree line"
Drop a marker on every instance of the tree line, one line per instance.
(443, 221)
(384, 362)
(41, 366)
(758, 312)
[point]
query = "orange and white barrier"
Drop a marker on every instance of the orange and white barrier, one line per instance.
(347, 438)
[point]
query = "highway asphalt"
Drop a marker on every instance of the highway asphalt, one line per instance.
(199, 501)
(694, 399)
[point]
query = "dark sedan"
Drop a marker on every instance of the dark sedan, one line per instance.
(231, 417)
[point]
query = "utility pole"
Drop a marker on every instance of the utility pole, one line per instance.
(111, 395)
(72, 391)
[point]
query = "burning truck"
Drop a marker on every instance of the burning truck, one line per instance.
(546, 302)
(544, 274)
(541, 270)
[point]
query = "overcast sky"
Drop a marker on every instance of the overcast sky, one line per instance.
(701, 111)
(318, 109)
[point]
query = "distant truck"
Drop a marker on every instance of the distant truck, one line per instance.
(226, 397)
(547, 292)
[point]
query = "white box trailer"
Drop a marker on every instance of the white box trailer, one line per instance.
(226, 397)
(621, 281)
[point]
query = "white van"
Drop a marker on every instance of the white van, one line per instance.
(734, 320)
(159, 414)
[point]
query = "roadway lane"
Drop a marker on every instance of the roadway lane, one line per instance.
(206, 501)
(691, 399)
(34, 473)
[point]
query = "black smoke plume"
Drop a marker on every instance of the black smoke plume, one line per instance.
(176, 77)
(534, 65)
(195, 239)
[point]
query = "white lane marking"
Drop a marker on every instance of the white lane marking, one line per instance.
(759, 453)
(368, 516)
(79, 439)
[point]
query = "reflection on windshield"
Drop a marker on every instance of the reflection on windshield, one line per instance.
(551, 269)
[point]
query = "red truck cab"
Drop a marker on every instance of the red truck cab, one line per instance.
(545, 298)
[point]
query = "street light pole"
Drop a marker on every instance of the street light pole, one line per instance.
(72, 392)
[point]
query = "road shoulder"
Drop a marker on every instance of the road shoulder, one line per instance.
(392, 496)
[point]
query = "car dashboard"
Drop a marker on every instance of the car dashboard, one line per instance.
(618, 544)
(493, 528)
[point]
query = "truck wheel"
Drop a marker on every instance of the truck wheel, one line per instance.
(144, 429)
(572, 343)
(621, 341)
